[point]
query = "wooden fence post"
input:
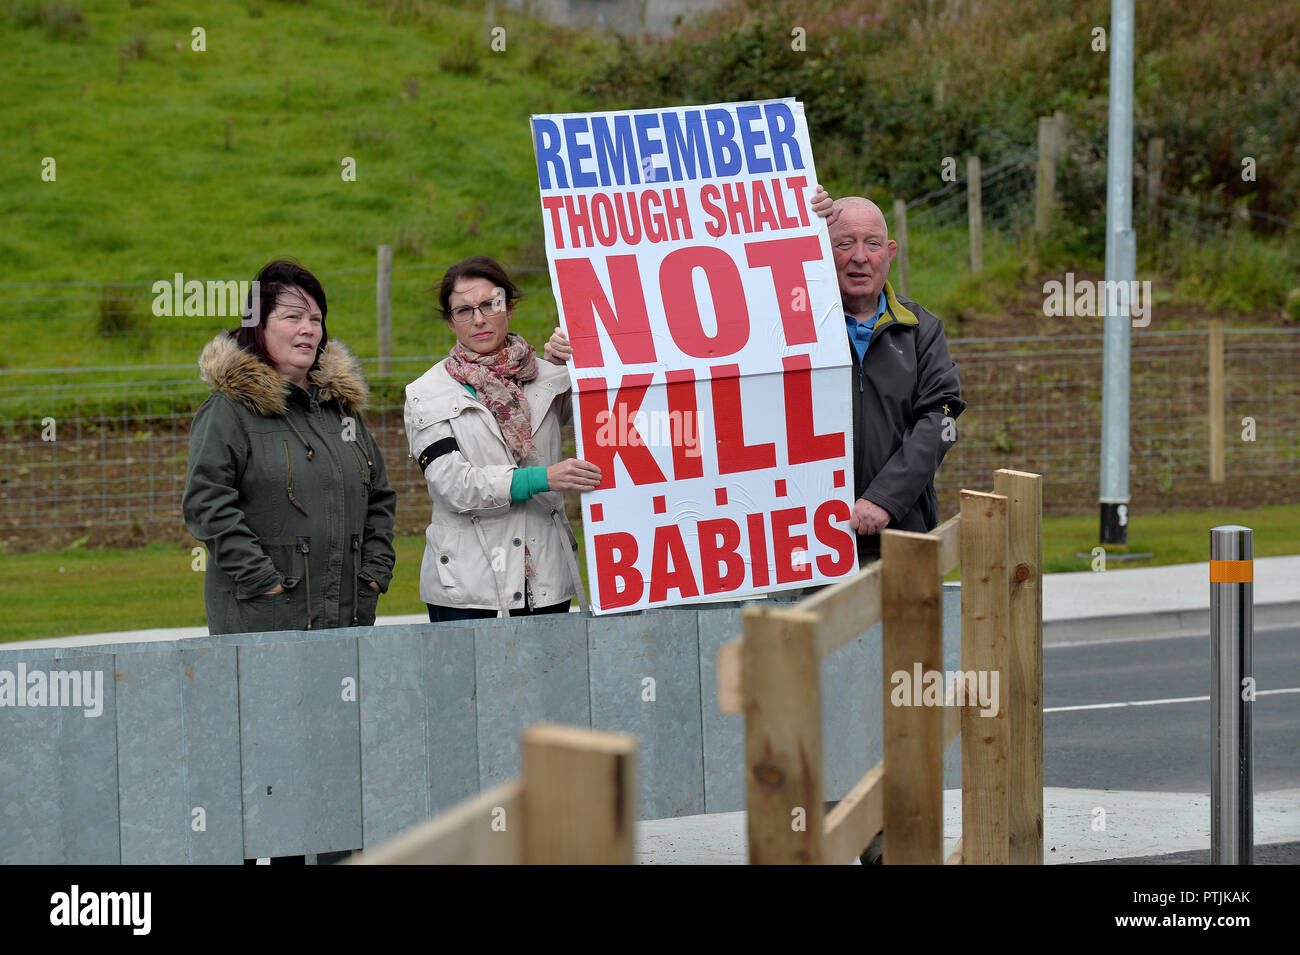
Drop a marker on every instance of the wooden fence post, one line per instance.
(1046, 184)
(985, 594)
(975, 214)
(579, 796)
(384, 307)
(900, 234)
(912, 647)
(783, 737)
(1155, 160)
(1216, 401)
(1024, 694)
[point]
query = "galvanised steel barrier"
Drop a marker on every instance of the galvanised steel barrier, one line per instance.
(240, 746)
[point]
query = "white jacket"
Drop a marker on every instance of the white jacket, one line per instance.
(474, 545)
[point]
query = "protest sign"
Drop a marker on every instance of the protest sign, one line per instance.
(710, 361)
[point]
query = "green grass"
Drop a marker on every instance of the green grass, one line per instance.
(149, 181)
(54, 594)
(1177, 537)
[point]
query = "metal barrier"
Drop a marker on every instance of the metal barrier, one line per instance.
(219, 749)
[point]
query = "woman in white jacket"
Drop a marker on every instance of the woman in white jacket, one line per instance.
(484, 426)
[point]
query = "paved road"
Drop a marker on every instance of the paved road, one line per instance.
(1163, 747)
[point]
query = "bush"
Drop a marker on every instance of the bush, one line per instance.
(464, 57)
(893, 86)
(59, 20)
(117, 314)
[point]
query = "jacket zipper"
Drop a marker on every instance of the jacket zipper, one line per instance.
(365, 473)
(304, 548)
(356, 575)
(288, 461)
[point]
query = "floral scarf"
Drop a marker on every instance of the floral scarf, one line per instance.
(497, 378)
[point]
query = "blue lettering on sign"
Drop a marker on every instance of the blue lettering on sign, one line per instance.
(609, 149)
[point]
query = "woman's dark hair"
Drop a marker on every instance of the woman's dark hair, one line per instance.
(273, 280)
(476, 267)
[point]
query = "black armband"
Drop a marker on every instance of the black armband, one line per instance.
(435, 451)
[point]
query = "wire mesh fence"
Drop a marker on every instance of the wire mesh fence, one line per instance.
(111, 466)
(99, 450)
(1035, 404)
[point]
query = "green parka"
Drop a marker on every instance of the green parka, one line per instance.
(287, 486)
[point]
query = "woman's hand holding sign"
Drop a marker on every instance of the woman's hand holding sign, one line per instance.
(573, 474)
(558, 350)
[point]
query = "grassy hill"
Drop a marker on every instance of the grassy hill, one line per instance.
(211, 163)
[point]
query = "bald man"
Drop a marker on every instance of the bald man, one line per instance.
(906, 394)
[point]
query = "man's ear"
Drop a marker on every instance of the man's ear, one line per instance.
(893, 249)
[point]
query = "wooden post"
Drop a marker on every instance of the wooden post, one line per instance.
(912, 645)
(384, 307)
(900, 234)
(783, 737)
(1216, 401)
(975, 214)
(1024, 694)
(579, 796)
(1046, 185)
(985, 597)
(1155, 160)
(486, 829)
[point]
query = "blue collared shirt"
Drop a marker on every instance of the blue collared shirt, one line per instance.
(860, 332)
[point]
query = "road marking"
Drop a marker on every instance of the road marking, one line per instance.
(1179, 699)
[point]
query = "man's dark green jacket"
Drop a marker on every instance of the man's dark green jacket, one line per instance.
(906, 399)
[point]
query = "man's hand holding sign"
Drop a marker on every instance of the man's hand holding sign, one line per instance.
(705, 340)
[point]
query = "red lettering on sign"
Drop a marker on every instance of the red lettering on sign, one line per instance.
(610, 570)
(840, 539)
(684, 418)
(802, 443)
(785, 257)
(612, 432)
(670, 546)
(677, 286)
(626, 321)
(733, 454)
(784, 545)
(721, 567)
(757, 549)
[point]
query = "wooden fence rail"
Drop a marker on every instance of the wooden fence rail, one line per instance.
(575, 805)
(772, 673)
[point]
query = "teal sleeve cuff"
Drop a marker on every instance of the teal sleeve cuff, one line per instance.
(526, 482)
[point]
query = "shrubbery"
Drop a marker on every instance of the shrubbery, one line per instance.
(893, 86)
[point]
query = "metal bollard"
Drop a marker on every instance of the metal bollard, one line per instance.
(1232, 695)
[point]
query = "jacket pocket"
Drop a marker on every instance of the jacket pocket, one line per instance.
(367, 604)
(264, 613)
(446, 572)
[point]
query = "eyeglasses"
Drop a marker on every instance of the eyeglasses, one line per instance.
(490, 309)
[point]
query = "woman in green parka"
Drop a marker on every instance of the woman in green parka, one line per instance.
(286, 486)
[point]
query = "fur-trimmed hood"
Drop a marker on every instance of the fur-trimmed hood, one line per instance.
(245, 378)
